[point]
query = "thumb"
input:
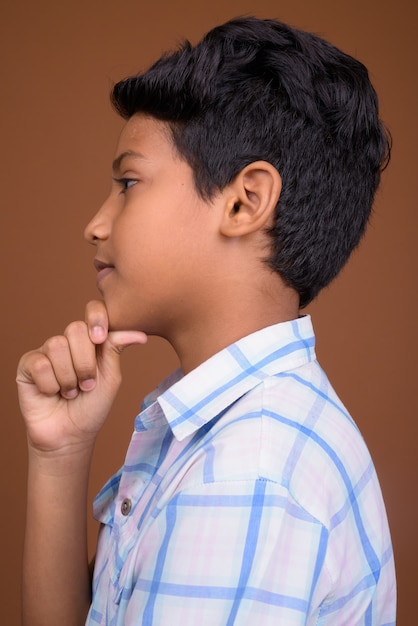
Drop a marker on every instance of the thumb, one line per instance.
(120, 339)
(115, 344)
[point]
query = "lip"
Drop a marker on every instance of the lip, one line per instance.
(103, 269)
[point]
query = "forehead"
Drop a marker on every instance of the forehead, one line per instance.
(146, 136)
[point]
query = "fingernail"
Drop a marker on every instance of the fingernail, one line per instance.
(98, 332)
(87, 385)
(70, 394)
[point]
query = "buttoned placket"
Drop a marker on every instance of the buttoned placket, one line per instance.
(144, 451)
(126, 506)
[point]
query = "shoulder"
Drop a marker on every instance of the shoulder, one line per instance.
(293, 430)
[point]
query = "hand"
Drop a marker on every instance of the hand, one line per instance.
(66, 388)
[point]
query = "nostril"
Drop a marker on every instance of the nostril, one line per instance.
(94, 231)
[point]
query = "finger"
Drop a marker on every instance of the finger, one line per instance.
(83, 355)
(121, 339)
(97, 321)
(36, 369)
(58, 352)
(110, 351)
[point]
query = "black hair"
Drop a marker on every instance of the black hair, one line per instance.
(256, 89)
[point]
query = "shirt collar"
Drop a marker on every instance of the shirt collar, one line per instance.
(189, 403)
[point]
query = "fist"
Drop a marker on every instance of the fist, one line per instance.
(66, 387)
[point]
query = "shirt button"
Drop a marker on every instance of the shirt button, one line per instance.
(126, 507)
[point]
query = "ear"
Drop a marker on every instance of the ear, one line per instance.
(251, 199)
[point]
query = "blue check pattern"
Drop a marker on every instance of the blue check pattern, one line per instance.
(247, 497)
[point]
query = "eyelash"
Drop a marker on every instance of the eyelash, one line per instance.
(124, 183)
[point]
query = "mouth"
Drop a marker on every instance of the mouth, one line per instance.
(103, 269)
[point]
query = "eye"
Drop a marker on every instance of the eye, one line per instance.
(125, 183)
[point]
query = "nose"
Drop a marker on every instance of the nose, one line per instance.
(99, 227)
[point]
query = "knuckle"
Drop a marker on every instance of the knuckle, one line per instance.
(54, 344)
(40, 366)
(75, 329)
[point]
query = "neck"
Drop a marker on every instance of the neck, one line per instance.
(218, 322)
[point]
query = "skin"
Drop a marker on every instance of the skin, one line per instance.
(170, 264)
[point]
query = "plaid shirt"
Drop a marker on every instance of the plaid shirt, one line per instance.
(247, 497)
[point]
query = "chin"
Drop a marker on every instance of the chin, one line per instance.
(118, 322)
(118, 325)
(122, 319)
(117, 319)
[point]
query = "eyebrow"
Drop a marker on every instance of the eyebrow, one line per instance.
(129, 153)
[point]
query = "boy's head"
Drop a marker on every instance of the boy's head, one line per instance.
(254, 90)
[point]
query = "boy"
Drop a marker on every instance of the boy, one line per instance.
(243, 179)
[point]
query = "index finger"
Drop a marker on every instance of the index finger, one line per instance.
(97, 321)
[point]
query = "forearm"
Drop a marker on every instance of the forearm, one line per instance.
(56, 579)
(66, 388)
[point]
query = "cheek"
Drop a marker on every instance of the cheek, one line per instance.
(140, 247)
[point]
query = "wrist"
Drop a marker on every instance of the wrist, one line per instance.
(67, 460)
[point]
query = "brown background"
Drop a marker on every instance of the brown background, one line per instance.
(58, 134)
